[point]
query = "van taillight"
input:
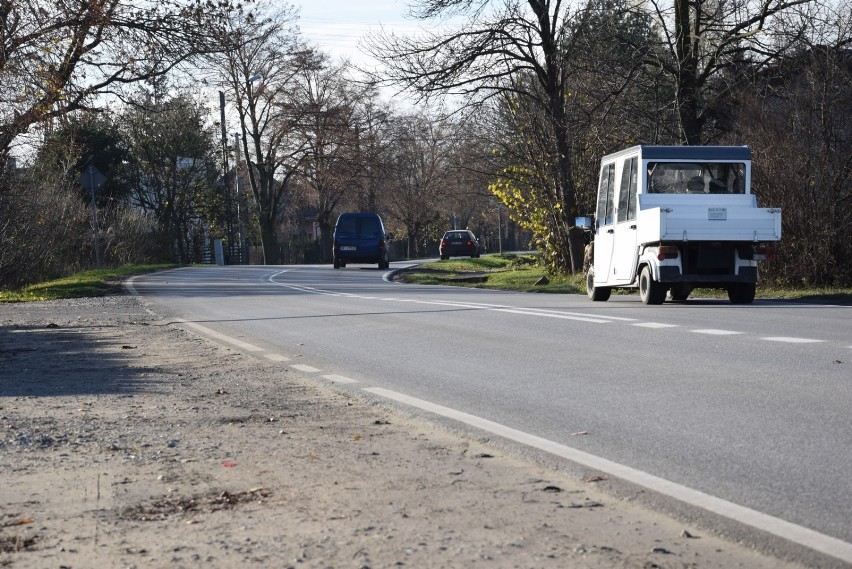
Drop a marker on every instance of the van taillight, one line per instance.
(764, 253)
(381, 245)
(667, 252)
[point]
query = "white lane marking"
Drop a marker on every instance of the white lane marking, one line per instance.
(340, 378)
(304, 368)
(552, 315)
(461, 304)
(792, 340)
(219, 336)
(276, 357)
(128, 284)
(770, 524)
(548, 313)
(552, 311)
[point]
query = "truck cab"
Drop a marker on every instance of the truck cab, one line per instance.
(673, 218)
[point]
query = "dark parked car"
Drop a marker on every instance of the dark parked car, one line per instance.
(459, 243)
(360, 238)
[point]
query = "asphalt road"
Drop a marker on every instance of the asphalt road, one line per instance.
(742, 410)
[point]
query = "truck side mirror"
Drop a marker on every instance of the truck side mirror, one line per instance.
(584, 223)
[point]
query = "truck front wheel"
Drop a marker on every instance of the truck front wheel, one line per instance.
(599, 293)
(650, 291)
(741, 293)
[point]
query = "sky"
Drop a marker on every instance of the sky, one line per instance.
(337, 26)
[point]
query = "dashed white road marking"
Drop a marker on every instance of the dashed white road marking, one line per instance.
(792, 340)
(276, 357)
(546, 313)
(775, 526)
(562, 316)
(582, 317)
(340, 378)
(305, 368)
(207, 331)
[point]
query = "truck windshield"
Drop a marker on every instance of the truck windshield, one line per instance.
(696, 178)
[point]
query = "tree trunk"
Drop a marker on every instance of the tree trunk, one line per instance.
(686, 50)
(565, 183)
(271, 252)
(326, 238)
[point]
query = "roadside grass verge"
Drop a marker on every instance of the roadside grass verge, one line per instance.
(521, 273)
(98, 282)
(513, 272)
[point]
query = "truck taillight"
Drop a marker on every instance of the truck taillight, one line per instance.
(667, 252)
(764, 253)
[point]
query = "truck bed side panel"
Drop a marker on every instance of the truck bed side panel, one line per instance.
(705, 218)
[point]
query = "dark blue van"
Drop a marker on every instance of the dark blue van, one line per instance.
(360, 238)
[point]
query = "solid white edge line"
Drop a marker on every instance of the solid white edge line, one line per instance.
(340, 378)
(207, 331)
(276, 358)
(781, 528)
(128, 284)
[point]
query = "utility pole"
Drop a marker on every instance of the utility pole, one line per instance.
(241, 203)
(225, 170)
(500, 226)
(92, 179)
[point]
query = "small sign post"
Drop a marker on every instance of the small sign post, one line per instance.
(92, 179)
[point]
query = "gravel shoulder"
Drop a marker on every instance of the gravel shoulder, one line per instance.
(126, 441)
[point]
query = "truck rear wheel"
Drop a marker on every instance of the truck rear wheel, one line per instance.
(679, 293)
(599, 293)
(741, 293)
(650, 291)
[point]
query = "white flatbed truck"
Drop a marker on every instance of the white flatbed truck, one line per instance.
(673, 218)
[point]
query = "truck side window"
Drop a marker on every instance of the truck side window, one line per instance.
(627, 194)
(605, 194)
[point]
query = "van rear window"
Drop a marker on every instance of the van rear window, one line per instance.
(358, 226)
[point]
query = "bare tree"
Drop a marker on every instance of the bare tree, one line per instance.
(420, 176)
(330, 131)
(261, 72)
(58, 56)
(374, 126)
(797, 115)
(509, 47)
(705, 43)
